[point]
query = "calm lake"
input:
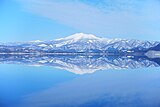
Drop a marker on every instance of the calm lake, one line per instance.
(44, 86)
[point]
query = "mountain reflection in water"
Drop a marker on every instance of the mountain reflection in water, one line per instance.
(81, 64)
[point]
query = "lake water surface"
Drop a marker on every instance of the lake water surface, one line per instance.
(43, 86)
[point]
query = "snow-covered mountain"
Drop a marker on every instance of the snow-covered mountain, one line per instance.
(81, 64)
(83, 53)
(79, 43)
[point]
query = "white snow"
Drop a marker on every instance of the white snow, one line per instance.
(36, 41)
(42, 45)
(51, 46)
(78, 36)
(43, 61)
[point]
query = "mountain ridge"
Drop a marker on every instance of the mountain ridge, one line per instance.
(79, 43)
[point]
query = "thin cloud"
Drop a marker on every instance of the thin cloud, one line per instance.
(116, 19)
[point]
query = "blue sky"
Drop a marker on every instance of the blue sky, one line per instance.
(25, 20)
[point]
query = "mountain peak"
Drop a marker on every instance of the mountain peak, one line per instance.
(82, 36)
(36, 41)
(79, 36)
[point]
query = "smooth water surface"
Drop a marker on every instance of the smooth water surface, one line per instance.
(42, 86)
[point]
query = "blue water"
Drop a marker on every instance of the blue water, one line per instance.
(42, 86)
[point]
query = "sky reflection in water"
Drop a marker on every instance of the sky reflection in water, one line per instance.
(28, 86)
